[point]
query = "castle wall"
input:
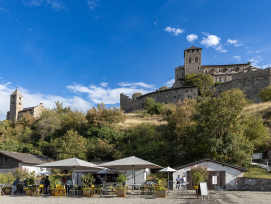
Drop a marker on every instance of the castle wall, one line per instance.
(38, 110)
(251, 82)
(172, 95)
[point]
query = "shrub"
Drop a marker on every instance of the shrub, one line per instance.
(199, 174)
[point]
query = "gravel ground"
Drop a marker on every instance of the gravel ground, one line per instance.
(245, 197)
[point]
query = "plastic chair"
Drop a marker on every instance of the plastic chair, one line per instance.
(37, 190)
(60, 191)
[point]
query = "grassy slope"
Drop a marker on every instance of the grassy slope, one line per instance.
(263, 109)
(257, 172)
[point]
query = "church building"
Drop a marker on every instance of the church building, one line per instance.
(17, 110)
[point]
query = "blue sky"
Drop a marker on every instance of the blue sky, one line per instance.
(89, 51)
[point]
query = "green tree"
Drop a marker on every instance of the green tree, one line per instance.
(70, 145)
(219, 131)
(100, 150)
(203, 81)
(136, 95)
(265, 94)
(152, 107)
(102, 116)
(163, 88)
(48, 124)
(60, 110)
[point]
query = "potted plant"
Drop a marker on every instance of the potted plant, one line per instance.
(87, 185)
(199, 174)
(7, 179)
(161, 187)
(54, 180)
(121, 191)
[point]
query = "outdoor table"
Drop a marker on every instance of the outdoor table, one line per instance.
(135, 185)
(183, 187)
(1, 189)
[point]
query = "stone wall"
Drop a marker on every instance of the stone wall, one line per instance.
(251, 83)
(172, 95)
(253, 184)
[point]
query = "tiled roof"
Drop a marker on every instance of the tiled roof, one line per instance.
(211, 160)
(27, 158)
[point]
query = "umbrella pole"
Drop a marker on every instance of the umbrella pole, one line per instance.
(73, 175)
(133, 182)
(168, 182)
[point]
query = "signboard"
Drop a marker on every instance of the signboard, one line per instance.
(214, 180)
(203, 191)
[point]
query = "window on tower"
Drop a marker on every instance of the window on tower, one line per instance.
(190, 60)
(196, 59)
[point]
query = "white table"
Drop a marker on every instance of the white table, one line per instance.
(133, 188)
(183, 187)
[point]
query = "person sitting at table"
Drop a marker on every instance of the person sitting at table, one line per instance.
(63, 180)
(183, 179)
(46, 186)
(14, 186)
(98, 181)
(25, 182)
(178, 180)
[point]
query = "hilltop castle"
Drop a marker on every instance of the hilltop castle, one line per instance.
(17, 110)
(244, 76)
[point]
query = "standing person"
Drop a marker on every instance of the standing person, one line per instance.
(46, 186)
(14, 186)
(63, 180)
(183, 179)
(68, 183)
(98, 181)
(178, 180)
(42, 180)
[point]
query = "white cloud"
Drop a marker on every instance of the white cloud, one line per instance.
(97, 17)
(104, 84)
(249, 51)
(237, 57)
(92, 4)
(174, 31)
(213, 41)
(236, 43)
(191, 37)
(258, 51)
(266, 65)
(34, 99)
(56, 4)
(110, 96)
(93, 94)
(155, 23)
(216, 56)
(170, 82)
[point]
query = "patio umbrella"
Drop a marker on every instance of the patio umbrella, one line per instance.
(130, 163)
(167, 169)
(71, 164)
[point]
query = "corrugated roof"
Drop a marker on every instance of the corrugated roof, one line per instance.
(27, 158)
(211, 160)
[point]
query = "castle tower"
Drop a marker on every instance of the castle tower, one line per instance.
(16, 104)
(192, 60)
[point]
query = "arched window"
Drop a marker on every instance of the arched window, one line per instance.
(196, 59)
(177, 76)
(182, 74)
(248, 83)
(239, 84)
(219, 70)
(190, 60)
(257, 82)
(205, 71)
(198, 67)
(265, 81)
